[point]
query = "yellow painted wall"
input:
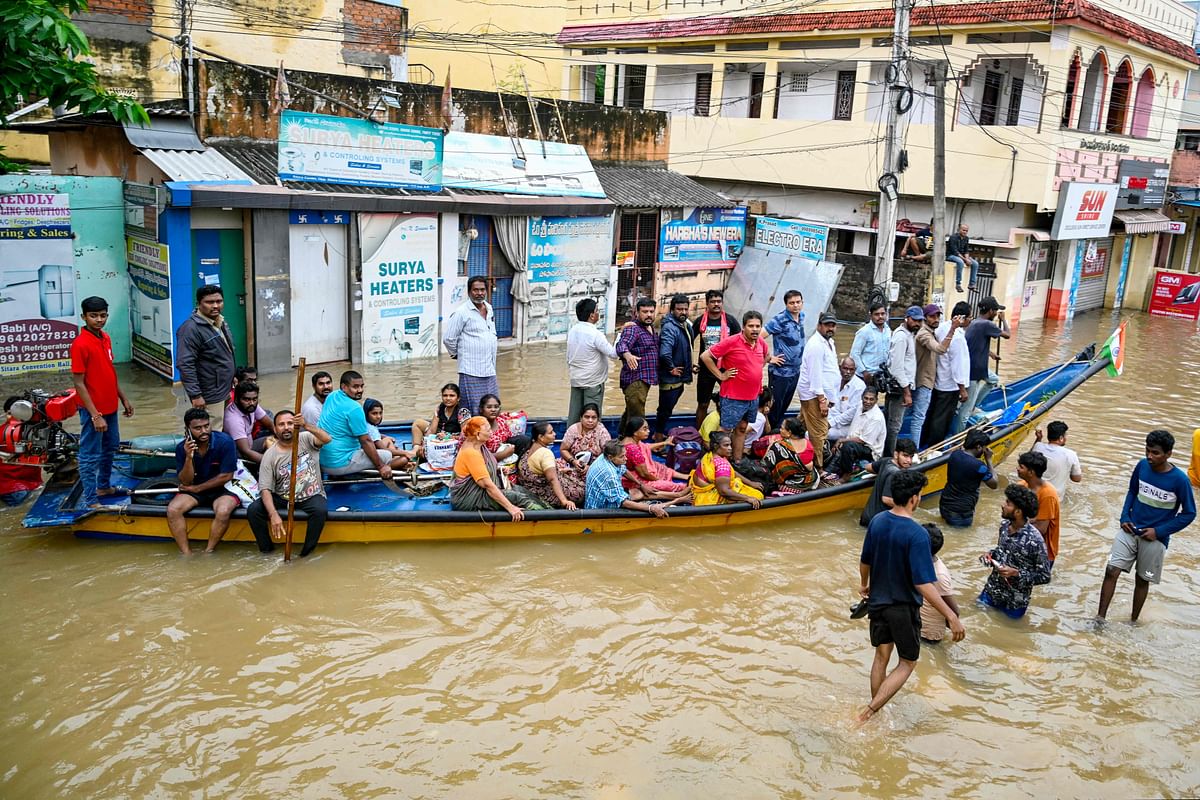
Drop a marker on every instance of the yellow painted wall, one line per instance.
(24, 147)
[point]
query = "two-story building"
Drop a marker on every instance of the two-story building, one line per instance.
(787, 111)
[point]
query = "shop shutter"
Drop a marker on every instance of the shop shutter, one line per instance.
(1090, 294)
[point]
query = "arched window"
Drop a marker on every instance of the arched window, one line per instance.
(1068, 106)
(1143, 104)
(1118, 103)
(1094, 84)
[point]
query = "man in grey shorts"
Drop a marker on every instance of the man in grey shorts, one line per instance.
(1159, 503)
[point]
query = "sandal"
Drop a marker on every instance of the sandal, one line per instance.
(114, 491)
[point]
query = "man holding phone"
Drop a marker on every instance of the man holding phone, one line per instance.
(1158, 504)
(205, 461)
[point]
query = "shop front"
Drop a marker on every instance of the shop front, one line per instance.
(1081, 229)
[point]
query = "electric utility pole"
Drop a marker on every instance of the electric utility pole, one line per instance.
(937, 262)
(899, 98)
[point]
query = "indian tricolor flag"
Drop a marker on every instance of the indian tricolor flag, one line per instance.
(1114, 348)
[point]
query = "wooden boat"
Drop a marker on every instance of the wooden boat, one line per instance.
(368, 511)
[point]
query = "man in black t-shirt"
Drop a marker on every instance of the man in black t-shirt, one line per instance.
(884, 470)
(967, 469)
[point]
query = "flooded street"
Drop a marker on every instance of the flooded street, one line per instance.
(714, 665)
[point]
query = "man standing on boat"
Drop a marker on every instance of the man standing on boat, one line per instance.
(588, 354)
(818, 384)
(979, 337)
(902, 366)
(871, 344)
(741, 358)
(1158, 504)
(953, 375)
(929, 347)
(322, 384)
(713, 326)
(275, 481)
(638, 346)
(470, 338)
(896, 567)
(204, 352)
(786, 330)
(674, 361)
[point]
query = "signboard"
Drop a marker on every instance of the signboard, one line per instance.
(701, 238)
(150, 305)
(518, 166)
(1084, 211)
(142, 204)
(1177, 227)
(317, 147)
(400, 286)
(1175, 294)
(627, 258)
(1143, 184)
(791, 237)
(318, 217)
(569, 259)
(39, 316)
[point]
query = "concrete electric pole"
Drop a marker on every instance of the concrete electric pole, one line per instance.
(899, 96)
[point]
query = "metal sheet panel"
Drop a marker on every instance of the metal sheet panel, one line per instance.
(191, 165)
(164, 134)
(760, 279)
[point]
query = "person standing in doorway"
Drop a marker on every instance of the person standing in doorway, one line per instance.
(204, 352)
(674, 361)
(713, 326)
(871, 344)
(100, 396)
(818, 385)
(1062, 463)
(786, 330)
(588, 354)
(638, 346)
(989, 324)
(958, 250)
(902, 365)
(741, 358)
(896, 567)
(470, 338)
(1158, 504)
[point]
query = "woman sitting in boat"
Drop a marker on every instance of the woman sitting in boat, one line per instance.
(552, 481)
(448, 417)
(643, 470)
(477, 482)
(497, 443)
(585, 440)
(715, 481)
(374, 412)
(790, 460)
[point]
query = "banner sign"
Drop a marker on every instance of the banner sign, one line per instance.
(1143, 184)
(1084, 211)
(701, 238)
(791, 237)
(153, 338)
(39, 317)
(317, 147)
(1175, 295)
(142, 205)
(1177, 227)
(400, 286)
(570, 258)
(318, 217)
(518, 166)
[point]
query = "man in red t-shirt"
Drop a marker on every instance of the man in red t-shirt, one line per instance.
(741, 359)
(99, 394)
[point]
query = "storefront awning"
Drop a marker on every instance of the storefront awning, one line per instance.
(657, 187)
(1142, 220)
(196, 165)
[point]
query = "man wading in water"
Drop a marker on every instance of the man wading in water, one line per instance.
(897, 573)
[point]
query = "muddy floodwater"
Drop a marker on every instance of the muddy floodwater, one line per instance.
(681, 666)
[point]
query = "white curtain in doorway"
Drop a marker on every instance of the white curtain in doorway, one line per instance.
(513, 235)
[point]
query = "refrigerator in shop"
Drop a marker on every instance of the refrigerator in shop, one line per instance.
(56, 290)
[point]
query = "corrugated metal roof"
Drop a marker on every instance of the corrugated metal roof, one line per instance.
(191, 165)
(164, 133)
(656, 187)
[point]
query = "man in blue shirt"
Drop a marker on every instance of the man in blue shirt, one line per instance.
(204, 461)
(352, 449)
(871, 344)
(897, 572)
(1158, 504)
(786, 330)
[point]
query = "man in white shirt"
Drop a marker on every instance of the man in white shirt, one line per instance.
(865, 440)
(1061, 461)
(322, 384)
(953, 378)
(588, 354)
(902, 364)
(849, 400)
(470, 337)
(818, 384)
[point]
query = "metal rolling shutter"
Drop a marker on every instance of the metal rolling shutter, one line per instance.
(1090, 294)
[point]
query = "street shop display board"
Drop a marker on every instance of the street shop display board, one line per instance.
(39, 315)
(400, 286)
(1175, 294)
(153, 338)
(701, 238)
(569, 259)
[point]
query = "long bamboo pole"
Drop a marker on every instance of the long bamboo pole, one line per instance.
(291, 519)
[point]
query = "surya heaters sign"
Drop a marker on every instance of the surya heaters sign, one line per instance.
(1085, 210)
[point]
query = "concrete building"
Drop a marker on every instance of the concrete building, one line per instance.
(785, 111)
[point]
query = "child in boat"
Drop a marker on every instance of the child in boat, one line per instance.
(374, 411)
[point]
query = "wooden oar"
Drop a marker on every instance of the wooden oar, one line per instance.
(291, 518)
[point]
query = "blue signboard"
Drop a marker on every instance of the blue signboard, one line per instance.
(791, 237)
(317, 147)
(319, 217)
(701, 238)
(562, 248)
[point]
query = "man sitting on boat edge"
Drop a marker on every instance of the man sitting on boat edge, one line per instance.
(205, 460)
(275, 480)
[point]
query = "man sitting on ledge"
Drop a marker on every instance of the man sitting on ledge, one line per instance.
(919, 246)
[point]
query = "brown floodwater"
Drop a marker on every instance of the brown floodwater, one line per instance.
(713, 665)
